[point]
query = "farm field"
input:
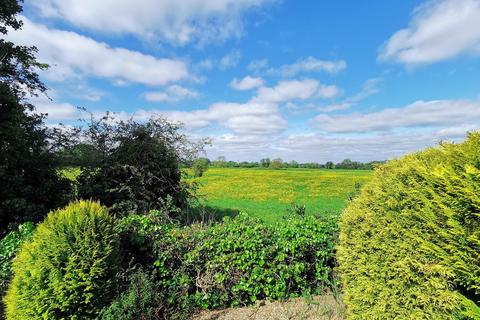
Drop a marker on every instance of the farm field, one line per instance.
(266, 194)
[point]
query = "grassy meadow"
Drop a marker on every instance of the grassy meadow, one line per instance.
(266, 193)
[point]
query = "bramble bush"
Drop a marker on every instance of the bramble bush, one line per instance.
(410, 242)
(136, 165)
(67, 270)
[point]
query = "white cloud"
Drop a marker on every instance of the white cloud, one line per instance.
(369, 88)
(309, 64)
(69, 53)
(175, 21)
(364, 147)
(420, 114)
(246, 83)
(55, 110)
(328, 92)
(230, 60)
(287, 90)
(173, 93)
(439, 30)
(336, 107)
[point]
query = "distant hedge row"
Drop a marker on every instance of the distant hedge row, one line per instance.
(410, 243)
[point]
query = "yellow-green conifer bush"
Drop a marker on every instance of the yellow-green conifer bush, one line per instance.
(410, 243)
(67, 269)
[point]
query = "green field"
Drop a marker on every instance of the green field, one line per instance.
(266, 193)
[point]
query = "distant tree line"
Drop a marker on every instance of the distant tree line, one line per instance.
(278, 163)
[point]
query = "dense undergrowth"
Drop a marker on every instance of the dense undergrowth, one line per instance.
(73, 266)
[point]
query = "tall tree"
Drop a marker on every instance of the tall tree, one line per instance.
(30, 183)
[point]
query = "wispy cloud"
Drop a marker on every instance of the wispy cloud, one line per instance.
(246, 83)
(175, 21)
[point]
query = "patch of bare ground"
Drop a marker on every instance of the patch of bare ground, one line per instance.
(317, 308)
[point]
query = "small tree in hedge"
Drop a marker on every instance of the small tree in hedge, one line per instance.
(199, 166)
(138, 165)
(276, 164)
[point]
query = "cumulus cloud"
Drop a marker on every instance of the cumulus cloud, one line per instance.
(248, 118)
(287, 90)
(246, 83)
(69, 53)
(309, 64)
(322, 148)
(439, 30)
(173, 93)
(55, 110)
(420, 114)
(174, 21)
(295, 89)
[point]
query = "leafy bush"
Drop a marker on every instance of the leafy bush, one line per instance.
(410, 243)
(139, 164)
(68, 268)
(242, 260)
(141, 300)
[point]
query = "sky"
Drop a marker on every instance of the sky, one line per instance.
(311, 81)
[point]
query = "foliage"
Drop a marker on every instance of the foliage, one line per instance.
(80, 155)
(243, 260)
(410, 243)
(9, 247)
(265, 162)
(27, 165)
(68, 268)
(276, 163)
(141, 300)
(199, 166)
(139, 166)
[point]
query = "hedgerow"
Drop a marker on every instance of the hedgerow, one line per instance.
(410, 243)
(68, 268)
(242, 260)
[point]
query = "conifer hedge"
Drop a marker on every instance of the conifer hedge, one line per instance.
(410, 243)
(67, 269)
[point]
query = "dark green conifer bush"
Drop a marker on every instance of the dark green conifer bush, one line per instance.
(68, 268)
(410, 242)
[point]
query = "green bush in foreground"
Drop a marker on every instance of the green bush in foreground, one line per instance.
(242, 260)
(68, 268)
(410, 243)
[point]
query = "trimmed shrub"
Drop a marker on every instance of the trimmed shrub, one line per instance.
(68, 268)
(243, 260)
(410, 242)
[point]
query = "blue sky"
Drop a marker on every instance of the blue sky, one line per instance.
(304, 80)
